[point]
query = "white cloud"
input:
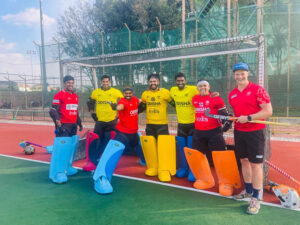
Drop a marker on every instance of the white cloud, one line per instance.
(18, 63)
(29, 17)
(6, 46)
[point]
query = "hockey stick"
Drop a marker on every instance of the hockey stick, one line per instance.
(48, 148)
(284, 174)
(232, 118)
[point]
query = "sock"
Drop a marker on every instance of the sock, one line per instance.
(255, 193)
(249, 188)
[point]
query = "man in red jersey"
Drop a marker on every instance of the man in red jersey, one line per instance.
(208, 133)
(249, 102)
(126, 139)
(64, 111)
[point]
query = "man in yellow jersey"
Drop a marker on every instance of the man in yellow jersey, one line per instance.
(156, 100)
(99, 105)
(182, 96)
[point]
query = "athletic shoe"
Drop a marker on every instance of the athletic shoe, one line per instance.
(254, 206)
(242, 196)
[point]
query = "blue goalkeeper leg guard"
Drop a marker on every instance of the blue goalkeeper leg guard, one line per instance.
(139, 152)
(71, 170)
(182, 165)
(106, 167)
(62, 150)
(191, 176)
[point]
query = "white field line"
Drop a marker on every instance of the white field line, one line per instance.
(91, 126)
(154, 182)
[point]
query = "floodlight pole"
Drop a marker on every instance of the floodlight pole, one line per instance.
(26, 99)
(130, 66)
(41, 68)
(43, 55)
(160, 38)
(60, 64)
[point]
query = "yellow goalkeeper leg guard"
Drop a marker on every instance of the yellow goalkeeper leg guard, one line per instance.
(150, 153)
(166, 148)
(227, 171)
(200, 167)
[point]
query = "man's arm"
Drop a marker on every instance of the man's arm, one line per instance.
(265, 112)
(55, 114)
(78, 122)
(91, 107)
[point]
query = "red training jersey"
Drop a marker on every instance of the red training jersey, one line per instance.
(128, 117)
(68, 103)
(248, 102)
(201, 103)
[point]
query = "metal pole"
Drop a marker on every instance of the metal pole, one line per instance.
(130, 66)
(288, 60)
(160, 39)
(183, 28)
(228, 36)
(40, 69)
(43, 56)
(60, 64)
(26, 99)
(95, 77)
(196, 37)
(102, 46)
(10, 90)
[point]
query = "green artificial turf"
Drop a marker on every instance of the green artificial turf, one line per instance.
(29, 198)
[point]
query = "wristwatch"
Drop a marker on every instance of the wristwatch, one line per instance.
(249, 118)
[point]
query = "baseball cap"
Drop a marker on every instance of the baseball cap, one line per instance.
(240, 66)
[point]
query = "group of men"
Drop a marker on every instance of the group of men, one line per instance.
(114, 111)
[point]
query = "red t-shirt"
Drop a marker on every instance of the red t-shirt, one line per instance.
(247, 102)
(68, 106)
(201, 103)
(128, 117)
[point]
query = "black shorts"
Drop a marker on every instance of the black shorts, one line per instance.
(157, 129)
(250, 145)
(103, 127)
(130, 141)
(66, 130)
(208, 140)
(184, 130)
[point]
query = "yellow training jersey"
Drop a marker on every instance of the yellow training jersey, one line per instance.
(157, 102)
(183, 100)
(104, 111)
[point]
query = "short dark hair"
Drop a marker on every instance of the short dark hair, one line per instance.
(104, 77)
(127, 88)
(180, 75)
(153, 75)
(67, 78)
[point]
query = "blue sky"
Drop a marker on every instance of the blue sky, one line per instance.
(20, 26)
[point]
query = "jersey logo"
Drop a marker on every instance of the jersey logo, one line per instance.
(69, 98)
(186, 94)
(207, 102)
(71, 106)
(152, 99)
(233, 96)
(158, 96)
(248, 93)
